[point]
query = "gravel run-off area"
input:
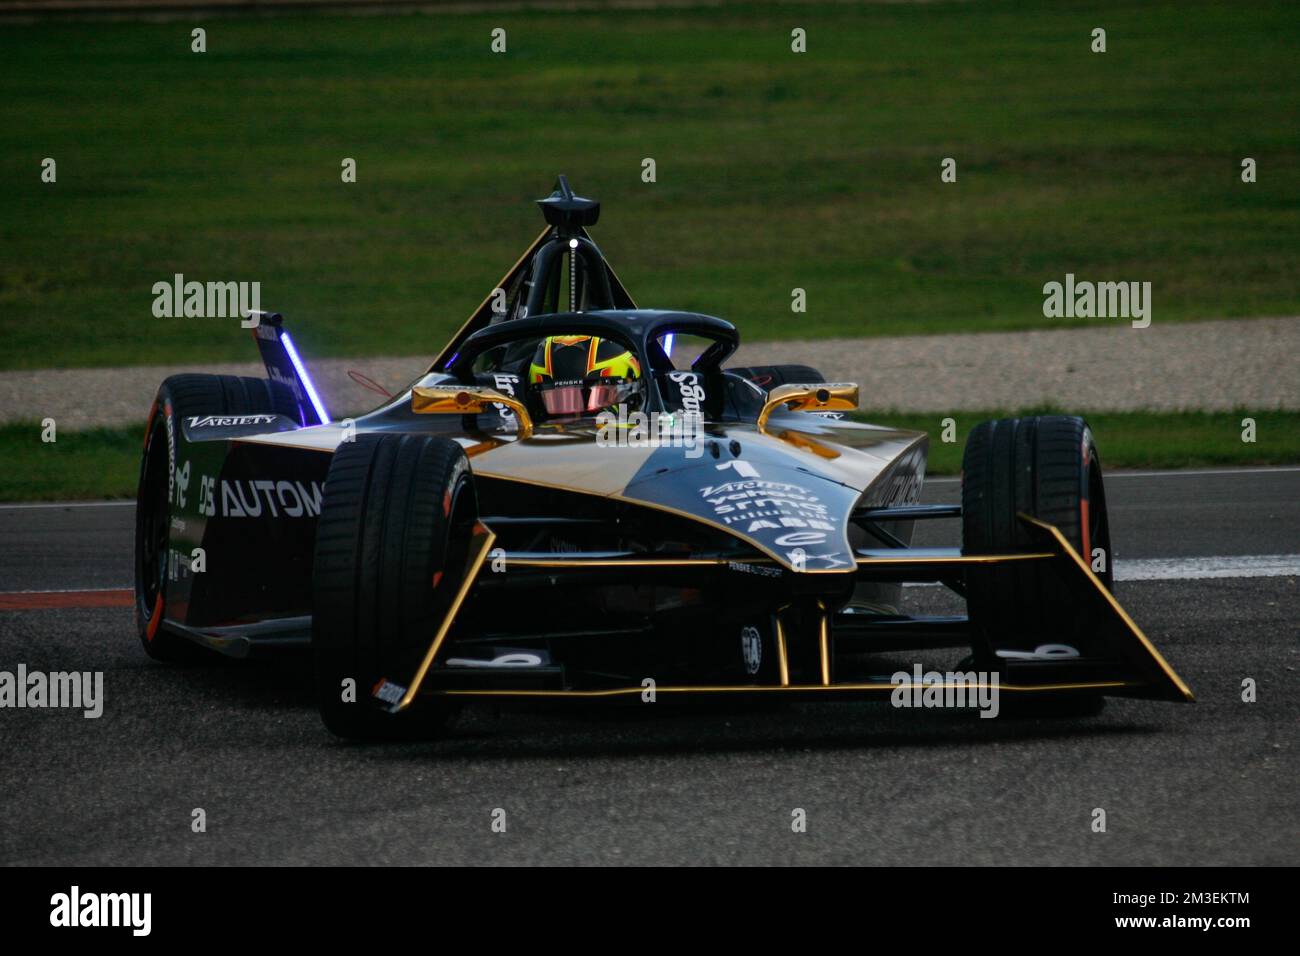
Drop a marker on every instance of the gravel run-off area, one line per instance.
(1209, 366)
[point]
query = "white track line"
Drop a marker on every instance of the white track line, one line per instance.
(67, 504)
(1196, 569)
(1190, 473)
(125, 587)
(1195, 472)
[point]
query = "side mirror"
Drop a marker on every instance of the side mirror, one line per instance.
(468, 400)
(820, 397)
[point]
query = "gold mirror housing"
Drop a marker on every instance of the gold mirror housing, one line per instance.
(467, 400)
(814, 397)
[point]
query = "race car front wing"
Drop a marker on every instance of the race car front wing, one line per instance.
(1119, 659)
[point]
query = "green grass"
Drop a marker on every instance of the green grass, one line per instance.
(775, 170)
(96, 463)
(105, 463)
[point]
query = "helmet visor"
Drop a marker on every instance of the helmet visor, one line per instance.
(603, 395)
(563, 400)
(575, 398)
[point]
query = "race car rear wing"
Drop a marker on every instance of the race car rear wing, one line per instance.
(284, 364)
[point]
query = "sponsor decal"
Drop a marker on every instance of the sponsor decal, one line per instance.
(902, 487)
(207, 495)
(742, 468)
(757, 504)
(178, 564)
(171, 453)
(226, 421)
(831, 559)
(774, 487)
(512, 659)
(901, 490)
(776, 523)
(782, 514)
(758, 569)
(276, 375)
(505, 383)
(1043, 652)
(388, 692)
(690, 391)
(457, 470)
(182, 484)
(751, 649)
(257, 498)
(181, 565)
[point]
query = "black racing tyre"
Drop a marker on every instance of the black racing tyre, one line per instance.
(178, 398)
(396, 520)
(768, 377)
(1046, 467)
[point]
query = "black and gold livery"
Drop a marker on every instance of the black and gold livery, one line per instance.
(673, 526)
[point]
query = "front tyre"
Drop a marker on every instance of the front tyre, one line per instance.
(1047, 467)
(391, 546)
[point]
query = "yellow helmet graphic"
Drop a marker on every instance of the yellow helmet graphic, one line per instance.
(578, 374)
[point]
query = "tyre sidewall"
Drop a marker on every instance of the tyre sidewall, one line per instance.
(394, 531)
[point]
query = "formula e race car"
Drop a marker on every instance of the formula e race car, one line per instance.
(580, 499)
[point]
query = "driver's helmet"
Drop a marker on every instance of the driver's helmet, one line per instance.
(580, 374)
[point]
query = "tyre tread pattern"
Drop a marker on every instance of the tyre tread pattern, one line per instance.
(1038, 466)
(382, 535)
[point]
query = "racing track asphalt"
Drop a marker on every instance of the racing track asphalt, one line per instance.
(1209, 783)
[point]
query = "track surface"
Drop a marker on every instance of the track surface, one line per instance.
(1209, 783)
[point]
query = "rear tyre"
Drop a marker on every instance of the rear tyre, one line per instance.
(178, 398)
(768, 377)
(1047, 467)
(394, 533)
